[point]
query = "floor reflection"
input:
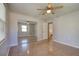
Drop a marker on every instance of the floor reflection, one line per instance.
(24, 41)
(24, 45)
(28, 52)
(42, 48)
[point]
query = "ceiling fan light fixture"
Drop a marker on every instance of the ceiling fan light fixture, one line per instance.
(48, 11)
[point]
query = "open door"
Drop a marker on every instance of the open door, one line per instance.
(50, 31)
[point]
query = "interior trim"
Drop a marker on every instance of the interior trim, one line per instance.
(67, 44)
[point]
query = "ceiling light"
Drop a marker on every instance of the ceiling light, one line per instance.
(48, 11)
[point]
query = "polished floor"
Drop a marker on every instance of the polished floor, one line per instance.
(26, 39)
(42, 48)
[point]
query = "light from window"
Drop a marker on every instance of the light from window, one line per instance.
(24, 28)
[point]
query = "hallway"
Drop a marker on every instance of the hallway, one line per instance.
(43, 48)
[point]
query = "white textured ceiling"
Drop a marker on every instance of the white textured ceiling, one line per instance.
(31, 9)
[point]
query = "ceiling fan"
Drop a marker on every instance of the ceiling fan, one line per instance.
(50, 9)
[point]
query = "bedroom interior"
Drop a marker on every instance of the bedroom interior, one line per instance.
(39, 29)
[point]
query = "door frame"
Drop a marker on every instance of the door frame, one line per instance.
(48, 29)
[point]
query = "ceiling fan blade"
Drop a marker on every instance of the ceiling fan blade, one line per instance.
(41, 9)
(43, 13)
(58, 7)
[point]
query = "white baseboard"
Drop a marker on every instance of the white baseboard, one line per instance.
(11, 45)
(67, 44)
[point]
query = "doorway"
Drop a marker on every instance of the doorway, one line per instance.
(50, 31)
(26, 32)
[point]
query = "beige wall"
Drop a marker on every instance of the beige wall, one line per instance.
(66, 29)
(13, 28)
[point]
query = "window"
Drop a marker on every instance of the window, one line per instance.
(24, 28)
(2, 30)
